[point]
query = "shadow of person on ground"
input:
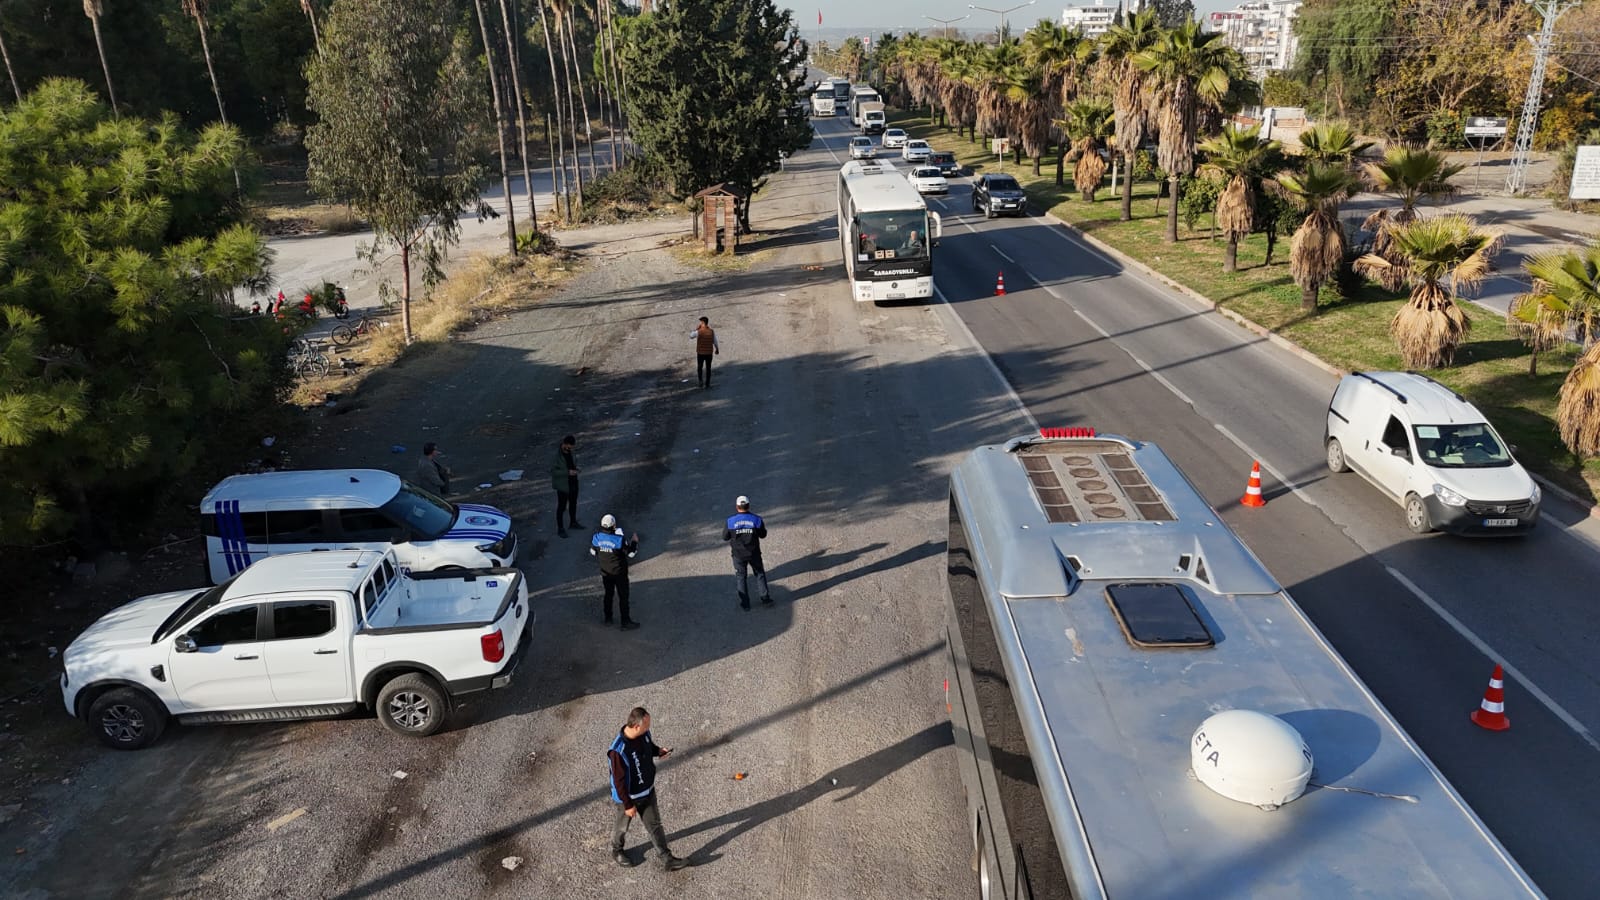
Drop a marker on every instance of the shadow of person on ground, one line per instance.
(789, 569)
(851, 778)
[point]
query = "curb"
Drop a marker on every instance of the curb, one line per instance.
(1591, 510)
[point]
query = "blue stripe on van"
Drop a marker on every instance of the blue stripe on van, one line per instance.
(230, 528)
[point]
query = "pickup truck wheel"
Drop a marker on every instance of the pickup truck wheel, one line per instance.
(126, 719)
(412, 705)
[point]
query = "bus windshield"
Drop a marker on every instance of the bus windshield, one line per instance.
(892, 235)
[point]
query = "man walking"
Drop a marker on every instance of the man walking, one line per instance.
(431, 472)
(632, 758)
(744, 532)
(613, 550)
(705, 345)
(564, 478)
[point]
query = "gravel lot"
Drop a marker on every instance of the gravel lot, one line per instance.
(840, 422)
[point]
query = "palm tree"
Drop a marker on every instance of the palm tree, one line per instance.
(561, 127)
(1062, 56)
(1118, 49)
(1578, 413)
(957, 71)
(1089, 124)
(94, 9)
(1430, 327)
(1242, 158)
(6, 55)
(1317, 249)
(1565, 299)
(1332, 142)
(197, 10)
(1410, 175)
(499, 129)
(1187, 68)
(311, 13)
(570, 32)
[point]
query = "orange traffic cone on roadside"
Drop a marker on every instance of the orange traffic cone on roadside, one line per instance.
(1491, 713)
(1000, 284)
(1252, 491)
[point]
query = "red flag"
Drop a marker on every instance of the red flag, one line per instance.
(819, 17)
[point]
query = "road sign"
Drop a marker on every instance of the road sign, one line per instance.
(1000, 146)
(1486, 126)
(1586, 174)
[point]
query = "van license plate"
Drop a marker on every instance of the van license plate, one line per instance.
(896, 296)
(1499, 523)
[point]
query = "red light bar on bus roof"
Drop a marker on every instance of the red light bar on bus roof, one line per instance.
(1066, 432)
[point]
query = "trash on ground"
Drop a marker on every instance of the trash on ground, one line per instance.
(52, 651)
(740, 776)
(511, 475)
(511, 863)
(285, 819)
(400, 774)
(268, 441)
(484, 486)
(397, 448)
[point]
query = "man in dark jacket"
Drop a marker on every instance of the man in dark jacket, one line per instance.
(744, 531)
(431, 471)
(632, 760)
(564, 478)
(613, 550)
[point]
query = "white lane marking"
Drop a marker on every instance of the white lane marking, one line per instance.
(972, 339)
(1455, 624)
(1010, 260)
(1484, 648)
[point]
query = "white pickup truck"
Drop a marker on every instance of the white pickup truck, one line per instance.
(299, 636)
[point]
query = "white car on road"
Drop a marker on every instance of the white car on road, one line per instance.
(916, 152)
(300, 636)
(862, 148)
(894, 138)
(928, 180)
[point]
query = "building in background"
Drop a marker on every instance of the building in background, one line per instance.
(1097, 18)
(1262, 31)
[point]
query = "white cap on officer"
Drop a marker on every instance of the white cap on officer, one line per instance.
(608, 521)
(742, 501)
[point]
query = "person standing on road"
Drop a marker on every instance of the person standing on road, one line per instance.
(614, 550)
(632, 760)
(431, 472)
(744, 532)
(564, 478)
(705, 345)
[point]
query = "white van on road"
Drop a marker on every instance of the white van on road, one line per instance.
(247, 518)
(1432, 452)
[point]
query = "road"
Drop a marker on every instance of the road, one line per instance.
(841, 422)
(1422, 620)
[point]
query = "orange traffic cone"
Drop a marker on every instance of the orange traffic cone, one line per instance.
(1000, 284)
(1252, 491)
(1491, 713)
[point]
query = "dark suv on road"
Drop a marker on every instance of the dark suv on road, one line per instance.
(998, 195)
(946, 161)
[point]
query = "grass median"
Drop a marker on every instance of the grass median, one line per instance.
(1351, 332)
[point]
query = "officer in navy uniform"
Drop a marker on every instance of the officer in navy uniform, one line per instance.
(613, 550)
(744, 532)
(632, 760)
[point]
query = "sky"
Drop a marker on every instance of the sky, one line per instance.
(889, 15)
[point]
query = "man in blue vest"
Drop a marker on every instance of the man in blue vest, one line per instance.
(613, 550)
(632, 759)
(744, 532)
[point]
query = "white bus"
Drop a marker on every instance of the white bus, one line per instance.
(1141, 710)
(886, 233)
(841, 94)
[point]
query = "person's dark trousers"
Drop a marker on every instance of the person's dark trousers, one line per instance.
(702, 369)
(740, 578)
(650, 815)
(567, 505)
(617, 584)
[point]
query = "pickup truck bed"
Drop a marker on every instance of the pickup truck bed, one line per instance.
(435, 600)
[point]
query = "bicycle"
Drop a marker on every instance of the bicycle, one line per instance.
(306, 359)
(344, 335)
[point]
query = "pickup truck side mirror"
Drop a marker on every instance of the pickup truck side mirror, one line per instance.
(1401, 452)
(184, 644)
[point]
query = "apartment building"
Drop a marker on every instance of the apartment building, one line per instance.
(1262, 30)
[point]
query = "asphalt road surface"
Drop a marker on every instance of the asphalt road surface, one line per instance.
(841, 422)
(1421, 619)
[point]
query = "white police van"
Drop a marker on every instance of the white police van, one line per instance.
(247, 518)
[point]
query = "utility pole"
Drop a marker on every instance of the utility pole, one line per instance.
(948, 22)
(1550, 10)
(1000, 36)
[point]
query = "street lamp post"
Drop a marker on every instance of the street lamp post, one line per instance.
(948, 22)
(1002, 13)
